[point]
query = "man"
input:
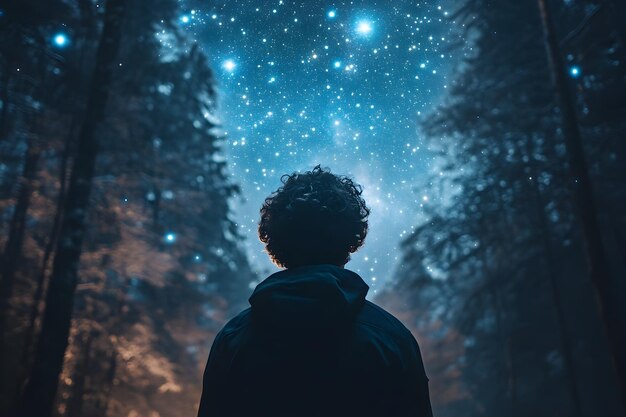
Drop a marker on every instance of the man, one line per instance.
(310, 344)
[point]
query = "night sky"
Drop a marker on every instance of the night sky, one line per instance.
(340, 84)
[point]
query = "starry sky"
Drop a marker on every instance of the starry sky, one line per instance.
(341, 84)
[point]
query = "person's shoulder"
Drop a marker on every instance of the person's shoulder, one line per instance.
(378, 319)
(235, 325)
(383, 339)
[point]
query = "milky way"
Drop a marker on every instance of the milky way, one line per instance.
(338, 84)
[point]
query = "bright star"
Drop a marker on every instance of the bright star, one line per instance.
(229, 65)
(170, 238)
(574, 71)
(364, 27)
(332, 14)
(337, 64)
(185, 19)
(60, 40)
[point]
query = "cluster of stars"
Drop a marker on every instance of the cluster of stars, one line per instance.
(341, 85)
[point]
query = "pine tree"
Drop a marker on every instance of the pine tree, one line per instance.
(503, 246)
(42, 385)
(161, 264)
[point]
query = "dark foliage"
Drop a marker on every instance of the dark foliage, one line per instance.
(499, 267)
(161, 263)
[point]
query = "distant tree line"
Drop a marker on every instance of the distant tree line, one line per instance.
(500, 281)
(120, 259)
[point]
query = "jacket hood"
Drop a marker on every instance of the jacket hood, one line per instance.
(313, 296)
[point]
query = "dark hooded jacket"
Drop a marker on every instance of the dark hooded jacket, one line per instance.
(311, 345)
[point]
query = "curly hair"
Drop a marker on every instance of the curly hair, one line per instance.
(315, 217)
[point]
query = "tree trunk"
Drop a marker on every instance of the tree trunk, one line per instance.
(14, 242)
(507, 350)
(13, 246)
(564, 339)
(10, 262)
(565, 345)
(594, 246)
(58, 216)
(41, 388)
(50, 245)
(5, 83)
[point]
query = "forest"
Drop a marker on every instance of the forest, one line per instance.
(514, 284)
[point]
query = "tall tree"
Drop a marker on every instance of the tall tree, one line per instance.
(502, 243)
(594, 245)
(161, 265)
(42, 385)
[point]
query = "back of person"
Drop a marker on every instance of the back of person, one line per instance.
(311, 345)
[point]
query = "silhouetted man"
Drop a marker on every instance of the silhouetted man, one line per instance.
(310, 344)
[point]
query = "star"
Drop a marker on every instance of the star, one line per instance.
(364, 27)
(60, 40)
(229, 65)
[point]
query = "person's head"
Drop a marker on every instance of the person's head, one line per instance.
(315, 217)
